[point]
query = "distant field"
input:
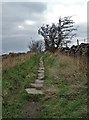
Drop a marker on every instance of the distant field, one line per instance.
(65, 86)
(10, 61)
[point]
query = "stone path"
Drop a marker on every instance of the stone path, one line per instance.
(37, 86)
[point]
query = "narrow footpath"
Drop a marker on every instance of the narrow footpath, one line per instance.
(37, 86)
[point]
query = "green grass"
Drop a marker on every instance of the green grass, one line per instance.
(65, 80)
(70, 100)
(14, 82)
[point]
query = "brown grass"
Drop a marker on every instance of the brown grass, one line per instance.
(72, 70)
(67, 76)
(75, 63)
(10, 62)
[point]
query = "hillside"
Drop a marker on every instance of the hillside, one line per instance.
(65, 86)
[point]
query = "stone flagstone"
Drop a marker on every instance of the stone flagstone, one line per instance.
(40, 77)
(40, 71)
(39, 81)
(41, 68)
(36, 88)
(37, 85)
(40, 74)
(34, 91)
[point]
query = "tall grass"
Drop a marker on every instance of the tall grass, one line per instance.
(10, 61)
(14, 82)
(66, 86)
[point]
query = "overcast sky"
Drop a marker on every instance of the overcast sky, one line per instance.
(21, 20)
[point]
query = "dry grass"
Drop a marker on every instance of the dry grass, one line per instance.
(75, 66)
(68, 75)
(71, 69)
(10, 62)
(14, 82)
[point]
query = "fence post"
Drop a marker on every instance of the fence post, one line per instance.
(77, 42)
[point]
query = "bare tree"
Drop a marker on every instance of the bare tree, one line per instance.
(59, 33)
(35, 46)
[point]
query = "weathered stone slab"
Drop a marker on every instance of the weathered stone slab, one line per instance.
(40, 77)
(34, 91)
(39, 81)
(37, 85)
(40, 71)
(41, 68)
(36, 88)
(41, 74)
(41, 62)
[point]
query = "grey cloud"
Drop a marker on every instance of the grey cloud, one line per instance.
(17, 43)
(82, 31)
(22, 10)
(14, 14)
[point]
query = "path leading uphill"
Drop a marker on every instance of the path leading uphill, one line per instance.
(37, 86)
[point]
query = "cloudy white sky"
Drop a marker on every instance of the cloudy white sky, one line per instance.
(21, 20)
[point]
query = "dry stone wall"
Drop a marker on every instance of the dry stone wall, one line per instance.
(82, 49)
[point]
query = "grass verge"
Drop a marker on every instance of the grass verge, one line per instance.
(14, 82)
(66, 87)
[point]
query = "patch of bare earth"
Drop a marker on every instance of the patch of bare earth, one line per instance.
(31, 110)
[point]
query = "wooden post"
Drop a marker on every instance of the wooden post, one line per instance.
(77, 42)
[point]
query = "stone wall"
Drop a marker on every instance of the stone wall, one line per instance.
(82, 49)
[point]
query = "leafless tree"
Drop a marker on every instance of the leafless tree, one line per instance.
(59, 33)
(35, 46)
